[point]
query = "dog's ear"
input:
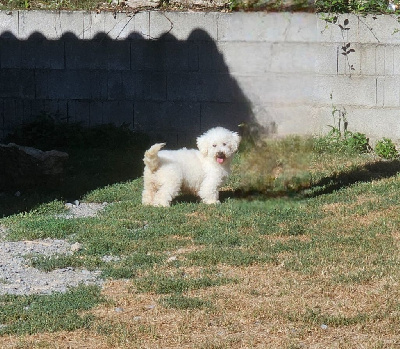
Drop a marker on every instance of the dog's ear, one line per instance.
(202, 145)
(235, 141)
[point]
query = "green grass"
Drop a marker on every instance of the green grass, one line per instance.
(323, 6)
(32, 314)
(178, 301)
(341, 219)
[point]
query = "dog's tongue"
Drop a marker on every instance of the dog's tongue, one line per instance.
(220, 160)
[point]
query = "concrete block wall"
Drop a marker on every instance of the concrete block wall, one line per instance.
(175, 74)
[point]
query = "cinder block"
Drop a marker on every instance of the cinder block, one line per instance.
(38, 107)
(229, 115)
(236, 57)
(37, 54)
(142, 27)
(164, 117)
(9, 24)
(380, 91)
(46, 54)
(287, 89)
(17, 83)
(55, 108)
(137, 86)
(380, 60)
(368, 59)
(349, 59)
(79, 112)
(389, 60)
(376, 29)
(52, 25)
(183, 25)
(375, 122)
(341, 28)
(391, 91)
(293, 58)
(148, 86)
(119, 26)
(115, 86)
(164, 55)
(396, 60)
(96, 113)
(202, 87)
(71, 84)
(292, 120)
(303, 27)
(97, 54)
(118, 113)
(346, 90)
(147, 55)
(181, 56)
(326, 59)
(12, 113)
(211, 56)
(58, 109)
(93, 25)
(10, 53)
(257, 26)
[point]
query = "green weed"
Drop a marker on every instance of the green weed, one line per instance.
(386, 149)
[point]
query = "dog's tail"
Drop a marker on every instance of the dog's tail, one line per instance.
(151, 159)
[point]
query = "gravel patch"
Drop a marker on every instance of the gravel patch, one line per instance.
(18, 278)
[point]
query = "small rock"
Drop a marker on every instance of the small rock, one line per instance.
(76, 247)
(172, 258)
(324, 327)
(118, 310)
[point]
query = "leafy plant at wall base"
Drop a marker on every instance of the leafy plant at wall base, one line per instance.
(358, 142)
(386, 149)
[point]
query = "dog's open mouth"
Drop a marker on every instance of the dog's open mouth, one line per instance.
(220, 158)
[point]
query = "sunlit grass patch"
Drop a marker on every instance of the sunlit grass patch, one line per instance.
(32, 314)
(177, 283)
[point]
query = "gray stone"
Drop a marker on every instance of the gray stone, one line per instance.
(140, 4)
(25, 166)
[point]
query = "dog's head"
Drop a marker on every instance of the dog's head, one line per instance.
(218, 143)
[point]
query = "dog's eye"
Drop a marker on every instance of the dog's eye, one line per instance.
(214, 145)
(224, 144)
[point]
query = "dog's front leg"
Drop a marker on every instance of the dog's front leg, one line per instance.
(208, 192)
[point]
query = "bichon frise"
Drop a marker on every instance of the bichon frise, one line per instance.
(201, 172)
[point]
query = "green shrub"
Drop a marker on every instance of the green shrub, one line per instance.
(357, 142)
(386, 149)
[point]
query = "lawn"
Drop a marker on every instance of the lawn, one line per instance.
(301, 253)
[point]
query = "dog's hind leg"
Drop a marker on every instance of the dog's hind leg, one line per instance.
(165, 193)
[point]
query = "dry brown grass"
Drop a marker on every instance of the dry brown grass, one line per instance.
(267, 309)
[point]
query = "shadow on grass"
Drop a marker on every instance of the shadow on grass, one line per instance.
(373, 171)
(97, 157)
(362, 174)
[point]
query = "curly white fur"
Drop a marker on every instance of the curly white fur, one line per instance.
(201, 172)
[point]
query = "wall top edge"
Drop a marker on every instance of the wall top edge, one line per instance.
(270, 27)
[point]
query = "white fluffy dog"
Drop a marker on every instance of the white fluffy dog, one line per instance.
(201, 172)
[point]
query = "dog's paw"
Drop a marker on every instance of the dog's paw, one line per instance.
(212, 202)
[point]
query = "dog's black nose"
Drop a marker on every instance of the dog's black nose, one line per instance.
(221, 155)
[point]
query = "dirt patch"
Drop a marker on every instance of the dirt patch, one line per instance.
(271, 307)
